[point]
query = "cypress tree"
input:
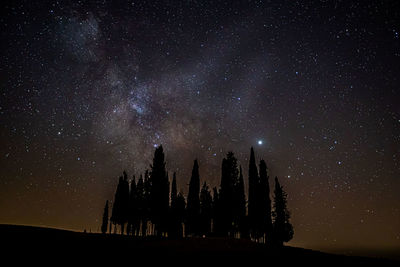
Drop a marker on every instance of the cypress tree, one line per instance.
(193, 202)
(133, 212)
(229, 178)
(120, 208)
(205, 210)
(180, 213)
(265, 202)
(159, 192)
(165, 199)
(240, 194)
(174, 192)
(253, 195)
(124, 201)
(224, 199)
(104, 224)
(282, 228)
(174, 221)
(140, 205)
(216, 214)
(241, 205)
(147, 201)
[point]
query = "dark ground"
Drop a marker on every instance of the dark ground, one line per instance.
(25, 244)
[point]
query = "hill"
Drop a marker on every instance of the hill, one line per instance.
(47, 245)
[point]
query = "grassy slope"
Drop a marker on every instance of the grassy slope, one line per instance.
(46, 244)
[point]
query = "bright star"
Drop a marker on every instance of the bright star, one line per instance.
(260, 142)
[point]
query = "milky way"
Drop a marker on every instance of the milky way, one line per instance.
(88, 90)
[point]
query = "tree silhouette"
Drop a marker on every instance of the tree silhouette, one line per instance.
(175, 223)
(104, 224)
(193, 201)
(180, 213)
(205, 210)
(253, 196)
(216, 214)
(282, 228)
(140, 205)
(229, 180)
(223, 214)
(124, 202)
(166, 198)
(147, 202)
(174, 191)
(159, 196)
(240, 204)
(133, 219)
(264, 202)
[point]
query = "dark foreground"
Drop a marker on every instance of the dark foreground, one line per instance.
(24, 244)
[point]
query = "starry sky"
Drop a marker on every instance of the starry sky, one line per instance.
(88, 89)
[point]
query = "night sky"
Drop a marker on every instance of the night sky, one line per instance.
(88, 90)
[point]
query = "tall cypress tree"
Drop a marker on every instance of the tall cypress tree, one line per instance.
(240, 205)
(133, 209)
(173, 230)
(140, 204)
(124, 201)
(205, 210)
(241, 194)
(180, 213)
(282, 228)
(253, 195)
(159, 192)
(193, 202)
(147, 202)
(104, 224)
(265, 202)
(165, 199)
(229, 178)
(174, 191)
(225, 198)
(216, 214)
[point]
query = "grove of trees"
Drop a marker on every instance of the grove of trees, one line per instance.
(152, 205)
